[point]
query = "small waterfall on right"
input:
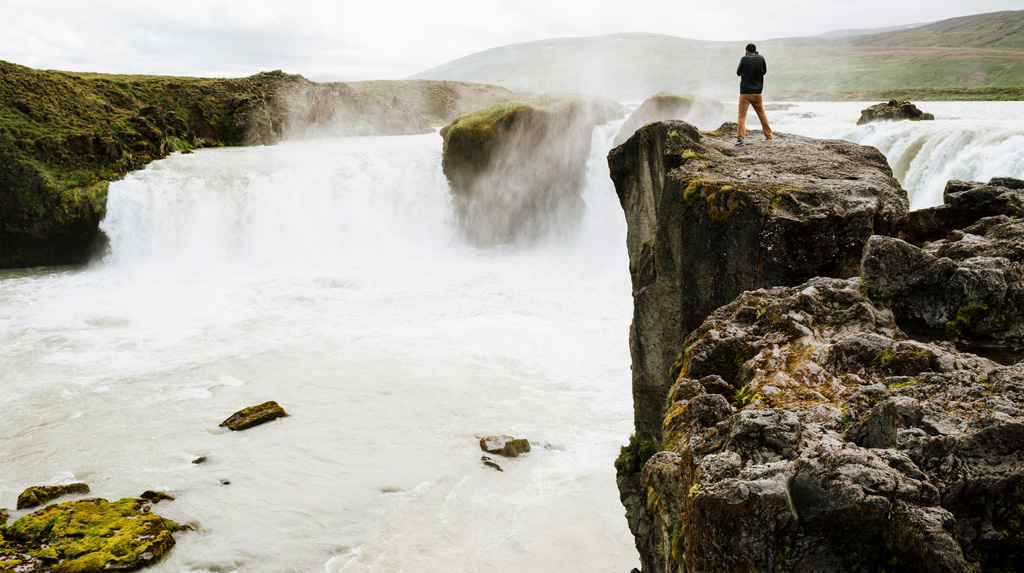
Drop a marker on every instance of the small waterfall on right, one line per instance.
(970, 141)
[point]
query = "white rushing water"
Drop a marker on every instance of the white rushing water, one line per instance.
(326, 275)
(970, 141)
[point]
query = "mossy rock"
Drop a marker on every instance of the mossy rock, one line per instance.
(90, 535)
(504, 446)
(254, 416)
(40, 495)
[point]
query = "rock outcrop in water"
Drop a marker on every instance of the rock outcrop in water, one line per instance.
(86, 536)
(893, 110)
(65, 136)
(42, 494)
(254, 416)
(694, 109)
(798, 427)
(517, 169)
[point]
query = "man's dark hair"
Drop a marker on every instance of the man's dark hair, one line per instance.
(751, 48)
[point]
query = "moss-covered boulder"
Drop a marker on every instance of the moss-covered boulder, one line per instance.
(893, 110)
(65, 136)
(254, 416)
(86, 536)
(43, 494)
(517, 169)
(703, 112)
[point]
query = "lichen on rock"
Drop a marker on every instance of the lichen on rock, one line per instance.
(254, 416)
(86, 536)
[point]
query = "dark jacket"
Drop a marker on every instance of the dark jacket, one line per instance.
(751, 70)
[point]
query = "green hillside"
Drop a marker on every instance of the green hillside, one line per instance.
(982, 52)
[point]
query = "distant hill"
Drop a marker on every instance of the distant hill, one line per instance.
(981, 51)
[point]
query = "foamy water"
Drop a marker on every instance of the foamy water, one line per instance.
(327, 275)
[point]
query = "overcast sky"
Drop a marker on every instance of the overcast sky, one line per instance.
(390, 39)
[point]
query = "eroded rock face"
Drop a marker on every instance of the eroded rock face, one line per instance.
(707, 221)
(516, 170)
(702, 112)
(964, 277)
(843, 445)
(86, 536)
(893, 110)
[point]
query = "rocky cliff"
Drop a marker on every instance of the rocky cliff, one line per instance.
(65, 136)
(785, 421)
(517, 169)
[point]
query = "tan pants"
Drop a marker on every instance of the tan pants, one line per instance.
(755, 101)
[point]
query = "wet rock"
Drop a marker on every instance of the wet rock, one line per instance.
(4, 516)
(893, 110)
(254, 416)
(490, 463)
(199, 460)
(504, 446)
(517, 169)
(155, 496)
(43, 494)
(705, 113)
(86, 536)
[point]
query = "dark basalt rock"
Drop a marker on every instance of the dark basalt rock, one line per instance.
(504, 446)
(844, 445)
(968, 282)
(698, 110)
(43, 494)
(254, 416)
(797, 427)
(517, 169)
(86, 536)
(893, 110)
(707, 221)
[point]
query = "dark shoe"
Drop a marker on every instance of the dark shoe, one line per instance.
(738, 143)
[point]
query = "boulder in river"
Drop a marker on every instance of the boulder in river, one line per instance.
(39, 495)
(893, 110)
(254, 416)
(504, 446)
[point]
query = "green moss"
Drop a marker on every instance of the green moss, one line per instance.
(687, 155)
(692, 191)
(92, 535)
(634, 455)
(965, 315)
(677, 541)
(649, 243)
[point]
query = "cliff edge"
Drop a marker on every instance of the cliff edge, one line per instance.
(785, 420)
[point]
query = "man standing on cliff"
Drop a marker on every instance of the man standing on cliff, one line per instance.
(751, 70)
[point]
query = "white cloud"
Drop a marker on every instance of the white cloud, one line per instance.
(391, 38)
